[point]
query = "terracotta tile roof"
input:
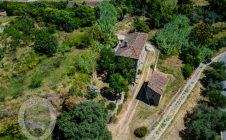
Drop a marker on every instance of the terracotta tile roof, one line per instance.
(158, 82)
(135, 44)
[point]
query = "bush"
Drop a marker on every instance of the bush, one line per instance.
(45, 43)
(140, 25)
(71, 71)
(1, 53)
(86, 62)
(119, 108)
(36, 82)
(83, 40)
(140, 132)
(111, 106)
(187, 70)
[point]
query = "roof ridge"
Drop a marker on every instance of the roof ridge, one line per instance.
(136, 35)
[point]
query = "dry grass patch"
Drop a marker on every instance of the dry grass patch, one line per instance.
(201, 3)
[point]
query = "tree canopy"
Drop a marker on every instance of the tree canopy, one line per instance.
(173, 36)
(140, 25)
(201, 34)
(117, 84)
(86, 15)
(204, 122)
(107, 17)
(85, 121)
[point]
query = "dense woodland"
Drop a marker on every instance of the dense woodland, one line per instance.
(47, 44)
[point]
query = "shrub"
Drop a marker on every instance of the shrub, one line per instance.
(36, 82)
(71, 71)
(119, 108)
(111, 106)
(139, 72)
(83, 40)
(1, 53)
(140, 25)
(86, 62)
(140, 132)
(187, 70)
(45, 43)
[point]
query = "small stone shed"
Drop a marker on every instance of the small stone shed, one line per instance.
(155, 87)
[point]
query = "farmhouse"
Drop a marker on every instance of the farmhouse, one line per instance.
(156, 87)
(133, 46)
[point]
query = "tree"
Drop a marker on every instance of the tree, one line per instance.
(213, 83)
(216, 73)
(219, 6)
(107, 60)
(140, 25)
(190, 54)
(127, 68)
(86, 15)
(45, 43)
(204, 122)
(107, 17)
(61, 18)
(117, 84)
(201, 34)
(187, 70)
(185, 6)
(85, 121)
(173, 36)
(216, 98)
(161, 11)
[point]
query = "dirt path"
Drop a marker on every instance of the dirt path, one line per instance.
(120, 129)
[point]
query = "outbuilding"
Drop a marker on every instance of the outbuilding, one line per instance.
(155, 87)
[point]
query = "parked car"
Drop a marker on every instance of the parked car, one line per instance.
(207, 61)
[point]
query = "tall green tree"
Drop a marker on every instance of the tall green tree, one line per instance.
(117, 84)
(86, 15)
(83, 122)
(127, 68)
(185, 6)
(204, 122)
(107, 60)
(107, 17)
(219, 6)
(173, 36)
